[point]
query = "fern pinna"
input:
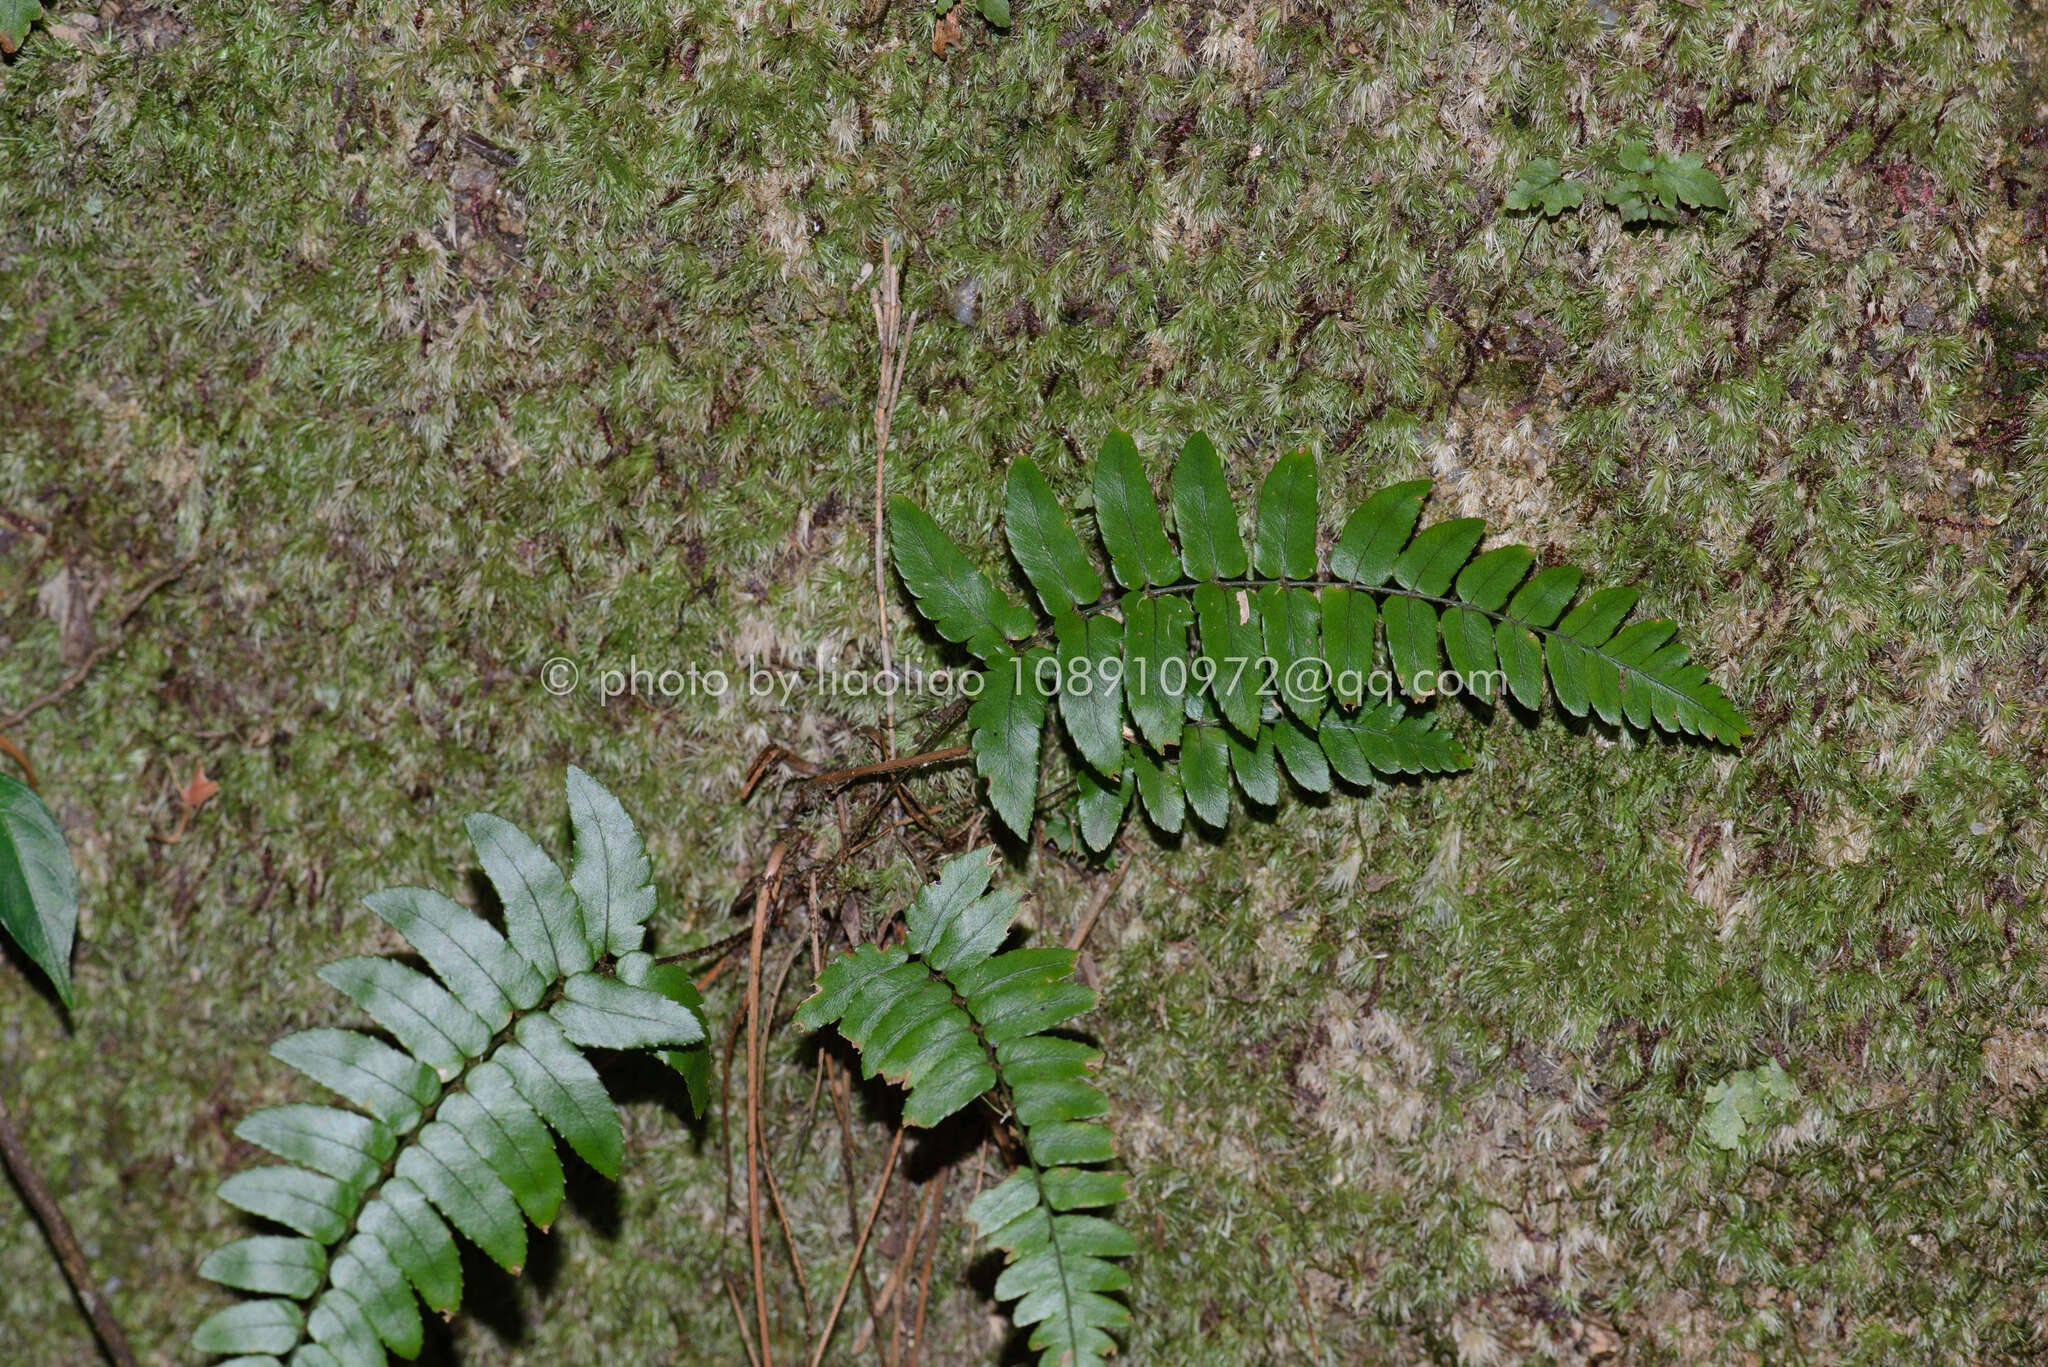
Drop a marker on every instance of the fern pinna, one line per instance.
(450, 1128)
(951, 1020)
(1207, 667)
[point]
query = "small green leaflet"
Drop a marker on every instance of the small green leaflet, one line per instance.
(38, 886)
(1285, 544)
(1541, 182)
(956, 597)
(15, 18)
(1007, 720)
(611, 875)
(1210, 545)
(1044, 543)
(1127, 515)
(1745, 1100)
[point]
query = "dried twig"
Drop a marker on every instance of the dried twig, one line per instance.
(890, 766)
(924, 1276)
(859, 1247)
(893, 331)
(740, 1318)
(13, 752)
(100, 652)
(69, 1254)
(764, 901)
(1095, 906)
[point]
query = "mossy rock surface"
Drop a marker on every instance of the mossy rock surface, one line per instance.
(446, 341)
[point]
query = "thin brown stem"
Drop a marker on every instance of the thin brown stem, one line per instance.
(764, 902)
(924, 1276)
(69, 1254)
(85, 667)
(859, 1248)
(890, 766)
(13, 752)
(1095, 906)
(893, 332)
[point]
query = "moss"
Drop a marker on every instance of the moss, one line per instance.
(450, 340)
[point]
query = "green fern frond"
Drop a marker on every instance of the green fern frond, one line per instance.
(950, 1019)
(450, 1128)
(1183, 687)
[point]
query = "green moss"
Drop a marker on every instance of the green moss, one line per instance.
(1401, 1077)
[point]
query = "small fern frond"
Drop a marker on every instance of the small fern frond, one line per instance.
(450, 1130)
(950, 1019)
(1213, 668)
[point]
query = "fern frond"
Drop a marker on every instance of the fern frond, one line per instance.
(1183, 685)
(950, 1019)
(450, 1130)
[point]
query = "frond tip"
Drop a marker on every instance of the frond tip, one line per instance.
(450, 1128)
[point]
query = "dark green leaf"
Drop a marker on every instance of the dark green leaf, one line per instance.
(599, 1012)
(1386, 739)
(1232, 646)
(1127, 515)
(1303, 757)
(1468, 640)
(1411, 641)
(1210, 545)
(673, 982)
(1489, 579)
(38, 886)
(1256, 772)
(1538, 602)
(1159, 789)
(404, 1224)
(610, 875)
(506, 1133)
(311, 1203)
(1284, 541)
(954, 919)
(560, 1084)
(954, 596)
(1432, 560)
(1101, 806)
(326, 1139)
(250, 1327)
(1594, 620)
(392, 1086)
(269, 1265)
(366, 1272)
(464, 1189)
(1155, 674)
(1205, 773)
(1293, 630)
(1374, 535)
(1350, 624)
(438, 1030)
(487, 975)
(339, 1325)
(1044, 542)
(1521, 659)
(1082, 1188)
(1070, 1142)
(1006, 722)
(1091, 688)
